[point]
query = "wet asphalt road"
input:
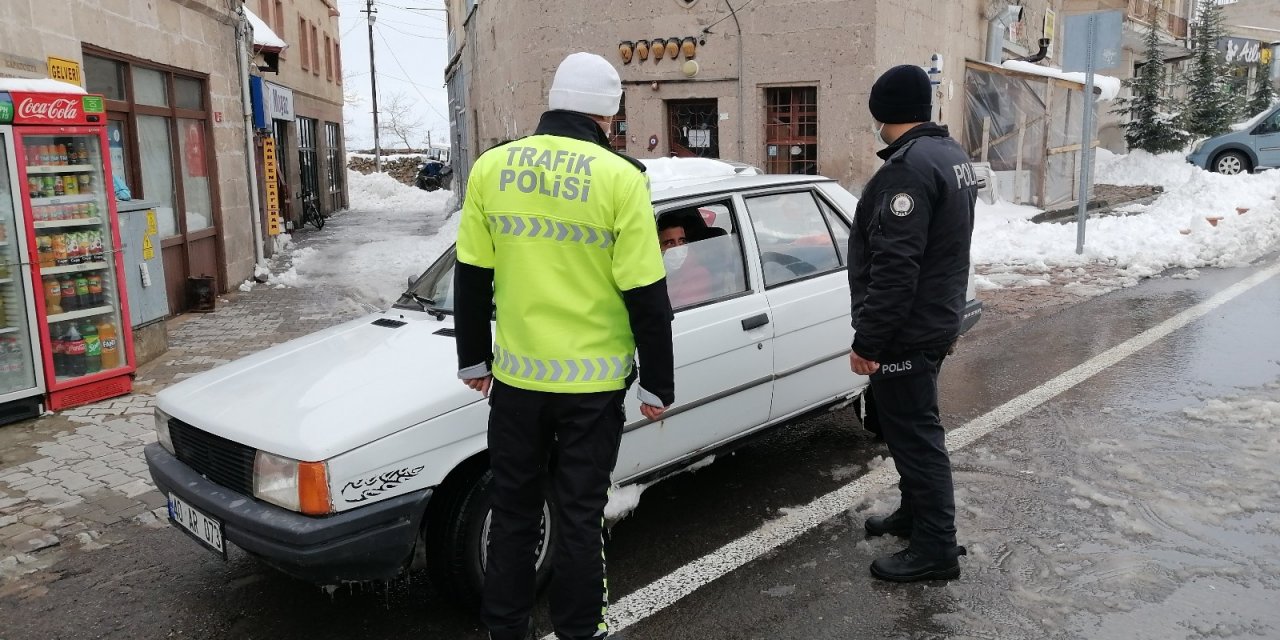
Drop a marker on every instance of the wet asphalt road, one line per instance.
(1143, 503)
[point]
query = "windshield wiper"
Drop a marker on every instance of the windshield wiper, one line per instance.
(424, 303)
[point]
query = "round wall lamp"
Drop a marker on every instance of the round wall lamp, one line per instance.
(690, 68)
(642, 50)
(659, 48)
(690, 47)
(673, 48)
(626, 49)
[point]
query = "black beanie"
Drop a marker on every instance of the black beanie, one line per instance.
(903, 94)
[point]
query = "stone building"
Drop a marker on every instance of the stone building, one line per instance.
(781, 85)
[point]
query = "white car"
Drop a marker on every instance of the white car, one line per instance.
(355, 453)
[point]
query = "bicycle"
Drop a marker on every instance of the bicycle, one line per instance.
(310, 212)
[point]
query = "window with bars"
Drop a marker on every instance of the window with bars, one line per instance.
(618, 134)
(302, 43)
(791, 130)
(334, 170)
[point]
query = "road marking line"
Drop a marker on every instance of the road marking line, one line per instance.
(797, 521)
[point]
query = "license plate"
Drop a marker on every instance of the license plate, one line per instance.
(203, 528)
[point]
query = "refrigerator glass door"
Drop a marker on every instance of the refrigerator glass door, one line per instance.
(75, 254)
(17, 363)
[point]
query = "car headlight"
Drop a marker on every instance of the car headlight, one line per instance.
(1199, 144)
(294, 485)
(162, 431)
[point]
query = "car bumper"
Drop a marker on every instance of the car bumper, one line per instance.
(972, 314)
(373, 542)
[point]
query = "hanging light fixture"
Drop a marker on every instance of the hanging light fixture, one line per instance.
(642, 50)
(626, 49)
(690, 47)
(659, 48)
(673, 48)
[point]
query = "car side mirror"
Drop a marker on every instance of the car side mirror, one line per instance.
(412, 280)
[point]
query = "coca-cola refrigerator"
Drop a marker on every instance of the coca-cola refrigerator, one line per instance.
(63, 325)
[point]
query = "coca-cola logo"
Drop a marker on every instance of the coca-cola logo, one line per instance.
(57, 109)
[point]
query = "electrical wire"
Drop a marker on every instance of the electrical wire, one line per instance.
(732, 13)
(406, 73)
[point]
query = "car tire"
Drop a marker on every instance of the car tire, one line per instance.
(1230, 163)
(455, 555)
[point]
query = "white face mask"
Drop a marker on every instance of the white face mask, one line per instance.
(674, 257)
(879, 131)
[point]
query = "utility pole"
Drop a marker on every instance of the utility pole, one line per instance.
(373, 82)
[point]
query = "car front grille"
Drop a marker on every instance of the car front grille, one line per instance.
(227, 463)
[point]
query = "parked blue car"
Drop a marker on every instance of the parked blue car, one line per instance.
(1252, 147)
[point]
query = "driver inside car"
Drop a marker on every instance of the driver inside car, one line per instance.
(688, 281)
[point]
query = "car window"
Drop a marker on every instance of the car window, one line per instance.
(702, 250)
(839, 229)
(793, 236)
(1270, 125)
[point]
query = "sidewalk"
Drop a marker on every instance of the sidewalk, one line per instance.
(68, 480)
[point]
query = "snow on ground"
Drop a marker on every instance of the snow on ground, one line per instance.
(1173, 231)
(390, 233)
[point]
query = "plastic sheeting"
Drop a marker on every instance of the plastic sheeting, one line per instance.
(1015, 120)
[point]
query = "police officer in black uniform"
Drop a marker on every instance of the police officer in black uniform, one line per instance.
(908, 272)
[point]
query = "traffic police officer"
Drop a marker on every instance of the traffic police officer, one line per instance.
(908, 271)
(558, 231)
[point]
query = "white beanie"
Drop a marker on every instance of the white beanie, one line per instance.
(586, 83)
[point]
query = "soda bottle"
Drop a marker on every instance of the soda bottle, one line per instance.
(73, 156)
(46, 187)
(82, 292)
(59, 189)
(59, 243)
(52, 296)
(92, 347)
(97, 249)
(57, 334)
(33, 156)
(44, 247)
(96, 296)
(76, 365)
(110, 346)
(62, 154)
(69, 300)
(34, 186)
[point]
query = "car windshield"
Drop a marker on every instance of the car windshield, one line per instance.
(433, 290)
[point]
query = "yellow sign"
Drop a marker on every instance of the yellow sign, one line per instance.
(148, 249)
(65, 70)
(1050, 23)
(271, 176)
(151, 223)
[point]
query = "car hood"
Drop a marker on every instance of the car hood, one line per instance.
(329, 392)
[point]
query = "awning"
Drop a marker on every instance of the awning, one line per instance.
(264, 39)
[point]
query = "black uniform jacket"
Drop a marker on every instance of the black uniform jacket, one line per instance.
(909, 254)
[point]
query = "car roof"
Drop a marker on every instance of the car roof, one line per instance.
(730, 184)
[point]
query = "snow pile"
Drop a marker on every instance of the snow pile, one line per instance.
(392, 232)
(263, 36)
(673, 173)
(1108, 86)
(40, 85)
(622, 501)
(1173, 231)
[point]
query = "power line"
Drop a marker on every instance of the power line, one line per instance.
(383, 23)
(406, 73)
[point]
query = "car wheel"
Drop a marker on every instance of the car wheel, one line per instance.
(457, 555)
(1231, 163)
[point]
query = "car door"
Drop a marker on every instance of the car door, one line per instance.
(1266, 141)
(723, 340)
(802, 242)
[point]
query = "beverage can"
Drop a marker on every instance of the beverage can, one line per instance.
(71, 186)
(85, 183)
(46, 188)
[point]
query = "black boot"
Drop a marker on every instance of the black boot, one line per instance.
(897, 523)
(909, 566)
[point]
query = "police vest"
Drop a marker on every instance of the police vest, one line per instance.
(567, 226)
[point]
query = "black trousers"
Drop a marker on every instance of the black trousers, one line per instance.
(571, 440)
(906, 400)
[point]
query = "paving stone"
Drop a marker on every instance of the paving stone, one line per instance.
(137, 488)
(16, 529)
(50, 494)
(33, 541)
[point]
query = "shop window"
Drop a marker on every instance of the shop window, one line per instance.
(308, 165)
(149, 87)
(791, 130)
(328, 58)
(104, 77)
(155, 151)
(193, 140)
(333, 163)
(188, 93)
(302, 43)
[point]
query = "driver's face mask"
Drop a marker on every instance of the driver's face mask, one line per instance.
(674, 257)
(878, 129)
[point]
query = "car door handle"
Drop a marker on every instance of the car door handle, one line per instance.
(755, 322)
